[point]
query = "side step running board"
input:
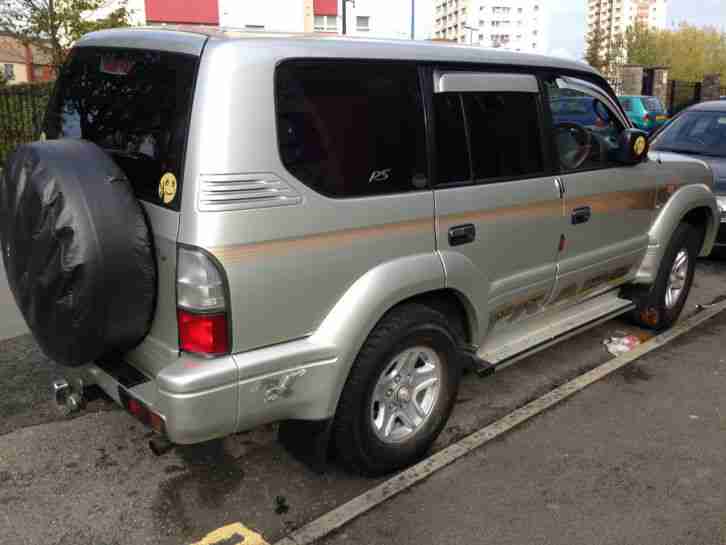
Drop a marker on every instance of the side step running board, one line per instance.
(502, 351)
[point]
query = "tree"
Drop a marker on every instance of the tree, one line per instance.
(53, 25)
(690, 52)
(596, 42)
(641, 44)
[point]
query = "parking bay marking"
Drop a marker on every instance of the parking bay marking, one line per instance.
(233, 534)
(356, 507)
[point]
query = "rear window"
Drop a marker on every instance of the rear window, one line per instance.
(135, 104)
(352, 129)
(652, 104)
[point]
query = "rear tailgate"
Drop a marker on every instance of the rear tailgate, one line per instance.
(131, 93)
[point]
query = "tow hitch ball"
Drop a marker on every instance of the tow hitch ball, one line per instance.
(66, 398)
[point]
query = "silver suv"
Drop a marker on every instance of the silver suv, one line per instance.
(225, 230)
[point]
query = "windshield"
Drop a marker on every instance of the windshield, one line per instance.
(699, 133)
(652, 104)
(133, 103)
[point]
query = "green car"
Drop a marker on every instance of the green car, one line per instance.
(647, 113)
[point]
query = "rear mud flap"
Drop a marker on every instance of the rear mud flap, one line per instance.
(308, 441)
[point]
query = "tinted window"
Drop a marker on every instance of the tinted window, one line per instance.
(349, 130)
(701, 133)
(627, 104)
(452, 154)
(652, 104)
(505, 134)
(135, 104)
(585, 132)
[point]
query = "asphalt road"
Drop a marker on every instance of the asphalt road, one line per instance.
(93, 480)
(637, 458)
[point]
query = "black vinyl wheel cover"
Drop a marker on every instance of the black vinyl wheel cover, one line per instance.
(77, 250)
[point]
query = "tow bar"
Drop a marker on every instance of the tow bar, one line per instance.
(67, 399)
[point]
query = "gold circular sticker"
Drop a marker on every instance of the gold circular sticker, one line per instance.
(639, 146)
(167, 188)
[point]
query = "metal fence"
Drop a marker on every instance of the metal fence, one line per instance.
(683, 94)
(21, 113)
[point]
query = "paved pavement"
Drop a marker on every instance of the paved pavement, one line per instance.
(93, 480)
(638, 458)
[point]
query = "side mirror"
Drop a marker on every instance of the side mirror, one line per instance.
(632, 147)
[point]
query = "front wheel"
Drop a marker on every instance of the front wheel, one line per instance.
(664, 304)
(400, 392)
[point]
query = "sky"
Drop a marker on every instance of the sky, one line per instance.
(567, 21)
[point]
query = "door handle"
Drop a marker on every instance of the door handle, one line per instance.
(462, 234)
(581, 214)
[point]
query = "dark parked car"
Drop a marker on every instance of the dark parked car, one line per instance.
(700, 131)
(580, 110)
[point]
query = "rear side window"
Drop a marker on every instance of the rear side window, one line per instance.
(504, 132)
(135, 104)
(351, 129)
(500, 130)
(451, 144)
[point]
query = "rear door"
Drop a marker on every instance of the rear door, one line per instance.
(499, 213)
(135, 104)
(608, 206)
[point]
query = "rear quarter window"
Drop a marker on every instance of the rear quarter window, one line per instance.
(351, 129)
(135, 104)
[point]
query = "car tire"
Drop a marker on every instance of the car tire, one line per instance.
(374, 431)
(77, 250)
(664, 303)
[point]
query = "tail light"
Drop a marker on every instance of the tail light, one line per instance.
(202, 309)
(647, 118)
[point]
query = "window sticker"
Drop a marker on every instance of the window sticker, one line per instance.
(115, 65)
(167, 188)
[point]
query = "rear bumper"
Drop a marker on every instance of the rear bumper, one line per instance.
(201, 399)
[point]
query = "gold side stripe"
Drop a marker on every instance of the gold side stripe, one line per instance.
(602, 203)
(321, 240)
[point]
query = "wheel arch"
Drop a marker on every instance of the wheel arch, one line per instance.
(693, 204)
(413, 279)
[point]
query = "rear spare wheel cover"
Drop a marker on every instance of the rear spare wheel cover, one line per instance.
(77, 250)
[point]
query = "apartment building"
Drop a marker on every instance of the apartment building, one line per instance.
(23, 63)
(378, 18)
(517, 25)
(614, 17)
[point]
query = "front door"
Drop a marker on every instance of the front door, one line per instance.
(608, 206)
(499, 212)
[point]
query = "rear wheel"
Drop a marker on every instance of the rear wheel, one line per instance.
(664, 304)
(400, 392)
